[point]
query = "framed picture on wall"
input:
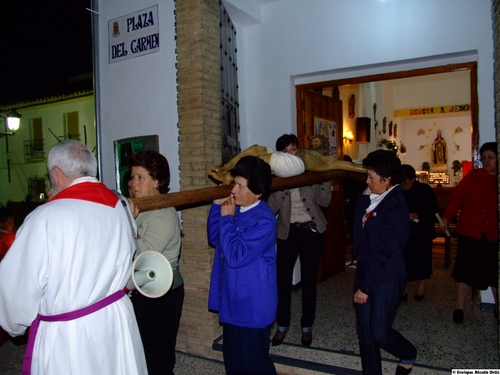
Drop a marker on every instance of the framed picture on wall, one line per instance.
(126, 147)
(327, 129)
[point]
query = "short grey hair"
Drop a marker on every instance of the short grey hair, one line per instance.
(73, 159)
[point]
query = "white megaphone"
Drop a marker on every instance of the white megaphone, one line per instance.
(152, 274)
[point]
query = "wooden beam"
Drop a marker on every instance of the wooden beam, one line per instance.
(199, 197)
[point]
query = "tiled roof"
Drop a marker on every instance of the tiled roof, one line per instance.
(79, 87)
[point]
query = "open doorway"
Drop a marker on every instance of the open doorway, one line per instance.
(305, 112)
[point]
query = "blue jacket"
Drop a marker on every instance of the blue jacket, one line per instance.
(243, 284)
(379, 243)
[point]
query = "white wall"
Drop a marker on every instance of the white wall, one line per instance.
(138, 96)
(286, 43)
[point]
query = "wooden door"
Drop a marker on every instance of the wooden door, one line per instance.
(309, 105)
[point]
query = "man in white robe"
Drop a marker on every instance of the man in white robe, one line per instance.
(71, 253)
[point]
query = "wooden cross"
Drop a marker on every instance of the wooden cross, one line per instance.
(199, 197)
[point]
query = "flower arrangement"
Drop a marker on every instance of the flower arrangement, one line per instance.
(389, 145)
(426, 166)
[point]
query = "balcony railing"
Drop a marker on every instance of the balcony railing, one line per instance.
(33, 149)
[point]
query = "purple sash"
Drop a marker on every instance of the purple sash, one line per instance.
(64, 317)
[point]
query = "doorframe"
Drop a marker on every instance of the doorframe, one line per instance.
(474, 104)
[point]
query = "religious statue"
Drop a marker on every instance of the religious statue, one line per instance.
(352, 103)
(284, 164)
(439, 153)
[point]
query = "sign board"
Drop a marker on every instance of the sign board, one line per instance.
(133, 35)
(445, 109)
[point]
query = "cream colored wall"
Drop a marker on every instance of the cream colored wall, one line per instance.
(52, 118)
(433, 90)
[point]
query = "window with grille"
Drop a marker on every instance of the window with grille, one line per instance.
(33, 148)
(230, 125)
(37, 189)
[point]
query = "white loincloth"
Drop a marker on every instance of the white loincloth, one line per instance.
(286, 165)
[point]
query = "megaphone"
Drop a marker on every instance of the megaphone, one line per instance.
(152, 274)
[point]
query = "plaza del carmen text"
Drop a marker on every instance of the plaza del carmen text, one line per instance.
(133, 35)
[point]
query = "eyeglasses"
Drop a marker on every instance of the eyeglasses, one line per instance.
(47, 175)
(484, 158)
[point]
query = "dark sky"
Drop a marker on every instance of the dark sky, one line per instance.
(43, 44)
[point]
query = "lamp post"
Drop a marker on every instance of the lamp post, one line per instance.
(12, 121)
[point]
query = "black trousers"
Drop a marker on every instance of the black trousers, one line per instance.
(158, 320)
(308, 245)
(246, 351)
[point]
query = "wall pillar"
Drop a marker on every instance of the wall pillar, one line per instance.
(198, 79)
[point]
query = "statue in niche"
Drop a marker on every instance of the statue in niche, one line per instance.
(352, 103)
(390, 128)
(384, 125)
(439, 153)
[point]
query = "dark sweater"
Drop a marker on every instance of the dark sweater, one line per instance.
(379, 243)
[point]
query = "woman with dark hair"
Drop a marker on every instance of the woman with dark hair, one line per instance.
(158, 230)
(476, 199)
(381, 229)
(242, 228)
(423, 206)
(301, 228)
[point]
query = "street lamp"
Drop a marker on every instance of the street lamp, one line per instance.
(12, 120)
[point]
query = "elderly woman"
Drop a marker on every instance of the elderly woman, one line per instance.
(476, 198)
(158, 230)
(242, 228)
(381, 229)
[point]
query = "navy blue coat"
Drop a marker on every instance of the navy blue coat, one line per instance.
(379, 243)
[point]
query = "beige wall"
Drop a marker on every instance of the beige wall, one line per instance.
(52, 114)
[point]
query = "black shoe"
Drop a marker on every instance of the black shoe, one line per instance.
(458, 316)
(400, 370)
(418, 297)
(405, 297)
(307, 338)
(278, 338)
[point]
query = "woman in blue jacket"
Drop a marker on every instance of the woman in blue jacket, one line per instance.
(381, 229)
(243, 284)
